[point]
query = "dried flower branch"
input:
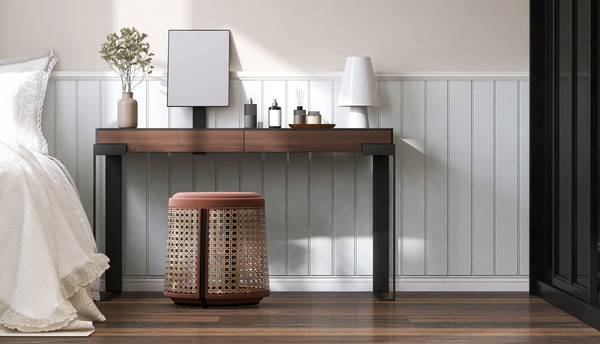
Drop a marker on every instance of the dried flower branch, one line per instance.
(128, 55)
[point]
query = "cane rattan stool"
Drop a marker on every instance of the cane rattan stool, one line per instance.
(216, 249)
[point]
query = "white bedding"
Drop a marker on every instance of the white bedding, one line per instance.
(48, 255)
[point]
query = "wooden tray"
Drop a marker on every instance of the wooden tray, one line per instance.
(311, 126)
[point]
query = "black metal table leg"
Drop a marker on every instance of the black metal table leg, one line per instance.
(381, 218)
(383, 273)
(114, 222)
(113, 212)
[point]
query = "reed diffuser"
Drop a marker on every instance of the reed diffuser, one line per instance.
(299, 113)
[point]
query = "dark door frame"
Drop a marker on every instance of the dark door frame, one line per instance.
(564, 220)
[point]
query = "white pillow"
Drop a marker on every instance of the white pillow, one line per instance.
(21, 99)
(23, 83)
(43, 61)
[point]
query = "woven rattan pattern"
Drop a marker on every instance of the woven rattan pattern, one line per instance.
(182, 251)
(237, 258)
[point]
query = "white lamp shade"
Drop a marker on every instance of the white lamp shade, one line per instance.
(358, 84)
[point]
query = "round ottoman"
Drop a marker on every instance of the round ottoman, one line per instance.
(216, 249)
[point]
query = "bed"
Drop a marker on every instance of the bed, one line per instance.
(49, 264)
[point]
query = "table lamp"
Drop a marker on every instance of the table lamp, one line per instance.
(358, 90)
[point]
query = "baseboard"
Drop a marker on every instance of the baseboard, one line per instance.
(359, 283)
(463, 283)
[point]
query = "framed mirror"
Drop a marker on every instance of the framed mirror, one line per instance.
(198, 68)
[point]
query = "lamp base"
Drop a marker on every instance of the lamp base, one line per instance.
(359, 117)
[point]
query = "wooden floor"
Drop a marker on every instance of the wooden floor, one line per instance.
(338, 317)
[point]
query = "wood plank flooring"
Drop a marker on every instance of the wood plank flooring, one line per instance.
(337, 317)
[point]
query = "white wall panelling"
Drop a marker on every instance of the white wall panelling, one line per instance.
(483, 178)
(462, 173)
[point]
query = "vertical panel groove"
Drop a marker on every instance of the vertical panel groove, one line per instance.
(402, 150)
(333, 102)
(55, 128)
(448, 189)
(147, 208)
(101, 103)
(356, 215)
(308, 98)
(262, 173)
(286, 207)
(77, 133)
(194, 181)
(425, 179)
(518, 224)
(472, 176)
(333, 231)
(241, 169)
(310, 222)
(494, 182)
(147, 103)
(379, 119)
(124, 181)
(265, 123)
(100, 183)
(216, 118)
(169, 174)
(217, 156)
(241, 100)
(216, 110)
(286, 112)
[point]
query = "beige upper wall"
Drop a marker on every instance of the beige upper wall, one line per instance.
(283, 35)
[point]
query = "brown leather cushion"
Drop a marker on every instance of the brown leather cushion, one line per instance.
(216, 199)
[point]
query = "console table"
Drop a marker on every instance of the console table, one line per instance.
(115, 143)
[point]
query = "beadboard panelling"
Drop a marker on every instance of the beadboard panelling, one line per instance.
(523, 226)
(364, 215)
(135, 218)
(321, 206)
(344, 235)
(461, 171)
(158, 196)
(298, 219)
(436, 178)
(506, 169)
(275, 202)
(483, 178)
(412, 216)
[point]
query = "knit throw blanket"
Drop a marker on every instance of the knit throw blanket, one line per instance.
(48, 255)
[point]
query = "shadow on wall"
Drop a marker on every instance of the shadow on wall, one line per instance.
(276, 40)
(234, 57)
